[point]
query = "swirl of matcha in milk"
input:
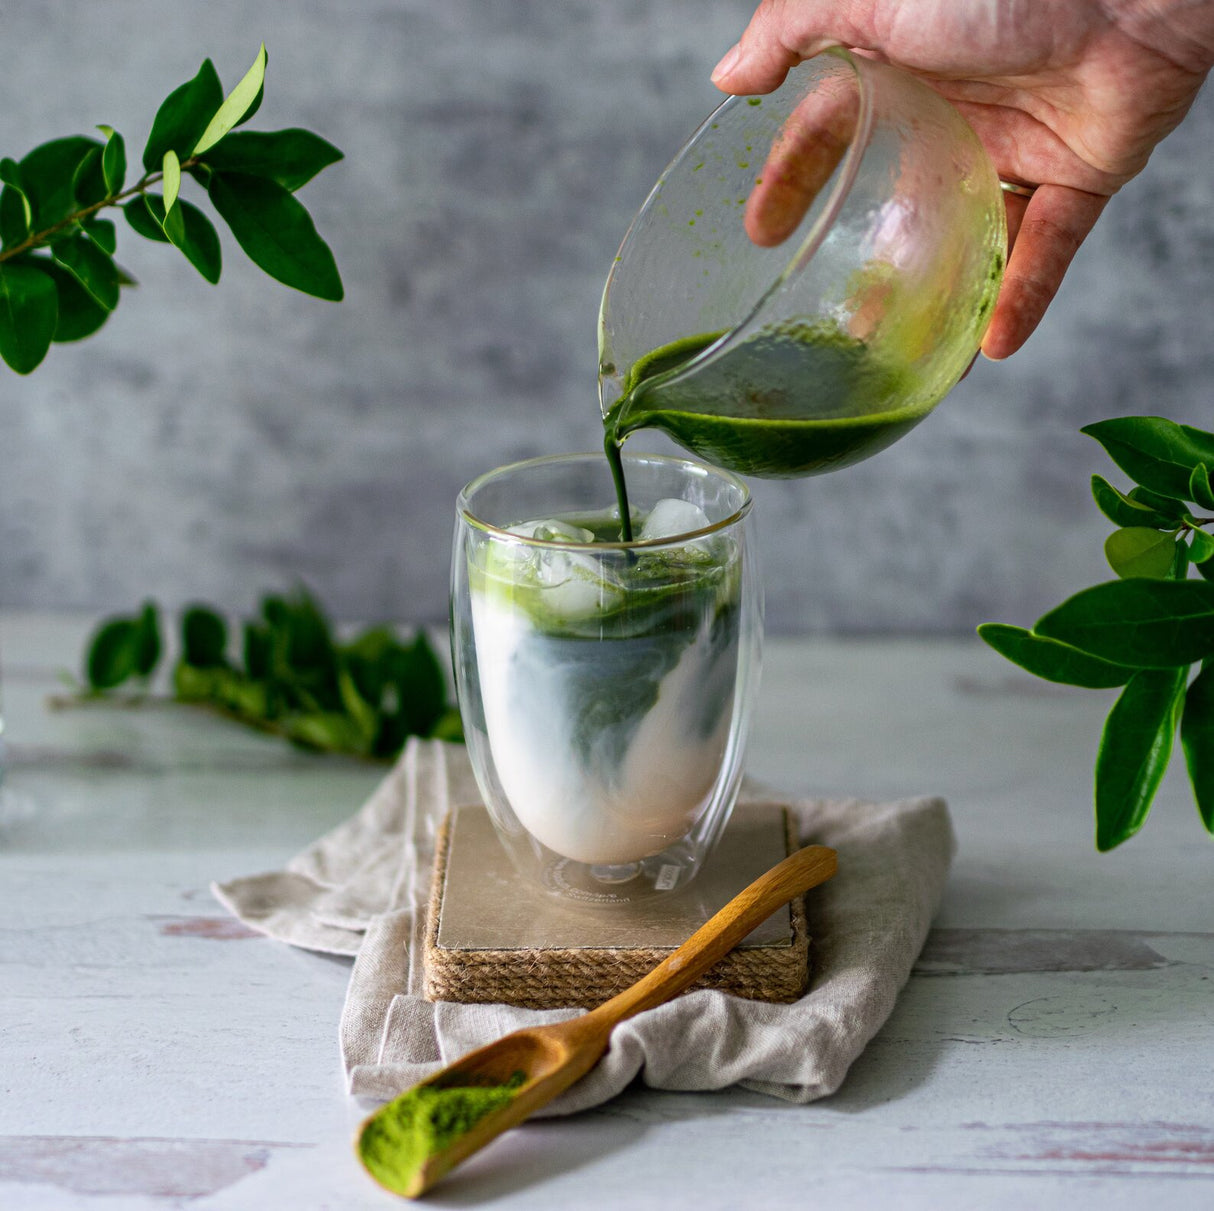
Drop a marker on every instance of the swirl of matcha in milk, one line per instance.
(607, 685)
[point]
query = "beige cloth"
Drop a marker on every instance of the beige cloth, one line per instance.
(353, 892)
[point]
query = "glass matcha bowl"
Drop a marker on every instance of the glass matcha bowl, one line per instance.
(810, 275)
(606, 687)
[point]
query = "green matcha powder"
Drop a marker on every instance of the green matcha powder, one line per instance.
(409, 1130)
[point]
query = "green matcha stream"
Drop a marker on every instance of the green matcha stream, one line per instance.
(792, 400)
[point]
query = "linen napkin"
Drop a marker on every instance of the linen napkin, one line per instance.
(361, 889)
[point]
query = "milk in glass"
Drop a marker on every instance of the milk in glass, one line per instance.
(607, 675)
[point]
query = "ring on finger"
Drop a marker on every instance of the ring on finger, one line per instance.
(1021, 191)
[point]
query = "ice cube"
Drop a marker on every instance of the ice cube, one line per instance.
(551, 530)
(576, 585)
(671, 517)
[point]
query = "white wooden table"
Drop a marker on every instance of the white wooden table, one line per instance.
(1054, 1048)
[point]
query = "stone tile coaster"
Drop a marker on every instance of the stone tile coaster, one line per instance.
(492, 937)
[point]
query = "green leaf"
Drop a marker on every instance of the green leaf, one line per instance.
(48, 174)
(29, 312)
(147, 639)
(1200, 488)
(275, 610)
(91, 266)
(1147, 624)
(302, 656)
(1180, 562)
(403, 681)
(113, 654)
(14, 217)
(141, 217)
(113, 160)
(171, 184)
(253, 108)
(251, 699)
(15, 212)
(195, 235)
(201, 173)
(88, 181)
(173, 221)
(10, 172)
(1121, 510)
(449, 726)
(1134, 752)
(421, 685)
(192, 684)
(256, 649)
(291, 157)
(239, 104)
(204, 638)
(1157, 453)
(183, 116)
(1197, 740)
(102, 233)
(361, 713)
(369, 657)
(1051, 660)
(276, 233)
(324, 730)
(122, 648)
(1165, 506)
(1201, 546)
(1136, 551)
(80, 314)
(309, 639)
(174, 224)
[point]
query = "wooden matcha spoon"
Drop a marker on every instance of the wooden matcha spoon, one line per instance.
(407, 1149)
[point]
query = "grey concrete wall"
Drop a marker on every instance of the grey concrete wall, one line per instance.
(213, 442)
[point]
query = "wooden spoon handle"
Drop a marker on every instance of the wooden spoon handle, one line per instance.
(720, 934)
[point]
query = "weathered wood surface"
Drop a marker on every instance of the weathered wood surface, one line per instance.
(1053, 1049)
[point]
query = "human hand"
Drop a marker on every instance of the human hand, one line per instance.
(1068, 95)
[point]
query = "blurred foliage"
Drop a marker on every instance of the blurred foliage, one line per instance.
(365, 696)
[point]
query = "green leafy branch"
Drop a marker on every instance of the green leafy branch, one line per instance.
(59, 280)
(1146, 631)
(293, 678)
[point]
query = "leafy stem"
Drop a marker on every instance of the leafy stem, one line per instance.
(293, 676)
(38, 238)
(51, 198)
(1145, 632)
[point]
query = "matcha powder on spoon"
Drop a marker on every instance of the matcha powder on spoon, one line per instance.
(398, 1140)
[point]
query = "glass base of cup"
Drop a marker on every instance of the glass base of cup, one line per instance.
(620, 873)
(623, 883)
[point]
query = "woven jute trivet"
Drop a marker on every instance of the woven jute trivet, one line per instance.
(490, 938)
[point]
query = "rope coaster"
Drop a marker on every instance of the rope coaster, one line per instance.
(491, 938)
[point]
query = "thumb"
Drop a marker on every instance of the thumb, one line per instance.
(760, 60)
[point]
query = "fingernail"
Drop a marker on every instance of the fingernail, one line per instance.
(728, 62)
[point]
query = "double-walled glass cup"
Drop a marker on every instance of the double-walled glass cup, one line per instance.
(605, 687)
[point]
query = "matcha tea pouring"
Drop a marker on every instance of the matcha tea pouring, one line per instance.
(792, 400)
